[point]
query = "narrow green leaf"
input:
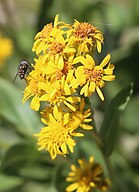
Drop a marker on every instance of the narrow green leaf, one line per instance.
(8, 137)
(36, 172)
(109, 129)
(31, 186)
(17, 156)
(9, 182)
(25, 120)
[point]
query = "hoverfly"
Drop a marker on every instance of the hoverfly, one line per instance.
(22, 71)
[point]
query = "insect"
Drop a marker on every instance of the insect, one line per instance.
(22, 71)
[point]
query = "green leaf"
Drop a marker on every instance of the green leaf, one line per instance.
(9, 182)
(8, 137)
(109, 129)
(32, 186)
(17, 156)
(36, 172)
(128, 121)
(11, 109)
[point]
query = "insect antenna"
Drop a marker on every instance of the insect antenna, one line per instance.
(15, 78)
(103, 24)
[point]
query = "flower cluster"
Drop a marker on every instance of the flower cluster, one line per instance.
(6, 48)
(63, 71)
(88, 176)
(60, 127)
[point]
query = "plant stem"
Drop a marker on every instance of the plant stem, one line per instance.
(111, 173)
(100, 144)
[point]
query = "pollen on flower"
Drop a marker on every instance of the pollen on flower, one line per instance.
(45, 31)
(56, 48)
(87, 37)
(84, 29)
(64, 71)
(59, 74)
(94, 75)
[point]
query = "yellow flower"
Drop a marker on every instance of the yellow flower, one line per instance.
(87, 176)
(57, 135)
(58, 93)
(62, 73)
(80, 117)
(6, 49)
(55, 47)
(61, 128)
(52, 40)
(50, 83)
(85, 37)
(91, 77)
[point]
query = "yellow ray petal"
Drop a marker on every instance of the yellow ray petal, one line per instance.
(90, 63)
(92, 86)
(108, 77)
(69, 106)
(35, 103)
(100, 93)
(84, 90)
(72, 187)
(64, 148)
(86, 127)
(105, 60)
(98, 46)
(79, 59)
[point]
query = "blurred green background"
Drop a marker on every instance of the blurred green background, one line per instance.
(23, 168)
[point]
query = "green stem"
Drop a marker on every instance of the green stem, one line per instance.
(111, 173)
(43, 17)
(88, 105)
(100, 144)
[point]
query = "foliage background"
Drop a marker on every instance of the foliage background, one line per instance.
(23, 169)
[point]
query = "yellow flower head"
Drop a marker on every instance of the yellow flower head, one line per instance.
(64, 70)
(85, 37)
(91, 77)
(87, 176)
(51, 83)
(51, 40)
(6, 49)
(80, 117)
(58, 93)
(61, 67)
(60, 130)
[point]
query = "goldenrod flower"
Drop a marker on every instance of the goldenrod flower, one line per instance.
(85, 37)
(51, 83)
(6, 48)
(58, 93)
(55, 47)
(80, 117)
(52, 40)
(91, 77)
(64, 70)
(87, 176)
(60, 130)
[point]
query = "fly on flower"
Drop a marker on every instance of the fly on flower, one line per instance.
(23, 70)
